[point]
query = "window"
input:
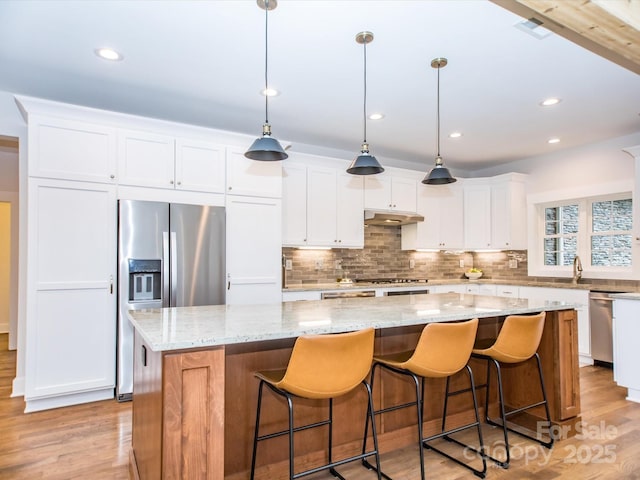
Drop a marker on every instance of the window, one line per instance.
(598, 229)
(561, 234)
(611, 242)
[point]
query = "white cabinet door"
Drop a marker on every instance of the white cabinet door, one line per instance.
(146, 159)
(387, 192)
(511, 291)
(377, 192)
(477, 216)
(254, 250)
(442, 209)
(321, 207)
(72, 150)
(626, 355)
(508, 215)
(252, 177)
(200, 166)
(350, 211)
(294, 205)
(71, 311)
(455, 288)
(404, 194)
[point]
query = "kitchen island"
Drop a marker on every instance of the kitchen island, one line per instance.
(195, 396)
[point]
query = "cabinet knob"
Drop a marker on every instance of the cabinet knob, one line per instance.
(394, 206)
(112, 176)
(229, 188)
(170, 182)
(179, 183)
(390, 205)
(339, 241)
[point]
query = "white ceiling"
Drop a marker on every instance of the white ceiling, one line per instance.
(201, 62)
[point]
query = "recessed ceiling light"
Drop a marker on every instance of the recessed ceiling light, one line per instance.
(547, 102)
(455, 135)
(376, 116)
(269, 92)
(108, 54)
(553, 140)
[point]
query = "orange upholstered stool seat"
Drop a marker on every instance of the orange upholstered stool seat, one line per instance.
(517, 343)
(321, 367)
(443, 350)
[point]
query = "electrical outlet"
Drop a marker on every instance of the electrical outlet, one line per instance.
(319, 264)
(412, 263)
(461, 263)
(288, 264)
(513, 263)
(338, 265)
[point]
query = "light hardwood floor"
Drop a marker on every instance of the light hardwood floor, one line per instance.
(92, 441)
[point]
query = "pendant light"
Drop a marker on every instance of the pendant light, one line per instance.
(266, 148)
(365, 163)
(439, 175)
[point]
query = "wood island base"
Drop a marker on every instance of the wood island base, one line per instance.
(194, 410)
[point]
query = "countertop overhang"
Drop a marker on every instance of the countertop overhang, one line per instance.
(178, 328)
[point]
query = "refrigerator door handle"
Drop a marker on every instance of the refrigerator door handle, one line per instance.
(174, 269)
(165, 269)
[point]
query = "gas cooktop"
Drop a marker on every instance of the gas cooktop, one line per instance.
(391, 280)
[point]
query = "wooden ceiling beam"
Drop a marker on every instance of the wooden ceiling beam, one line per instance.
(609, 28)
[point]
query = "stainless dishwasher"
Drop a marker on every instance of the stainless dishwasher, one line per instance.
(601, 319)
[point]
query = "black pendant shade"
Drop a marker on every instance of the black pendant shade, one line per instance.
(365, 163)
(439, 175)
(266, 149)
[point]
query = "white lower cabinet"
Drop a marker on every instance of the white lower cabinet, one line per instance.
(626, 355)
(301, 295)
(455, 288)
(254, 250)
(568, 295)
(71, 301)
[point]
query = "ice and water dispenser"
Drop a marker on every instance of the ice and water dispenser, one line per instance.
(145, 280)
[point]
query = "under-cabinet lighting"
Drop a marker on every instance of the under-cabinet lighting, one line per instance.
(496, 250)
(270, 92)
(376, 116)
(314, 248)
(553, 140)
(427, 250)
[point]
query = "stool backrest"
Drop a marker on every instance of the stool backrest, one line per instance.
(519, 338)
(326, 366)
(443, 349)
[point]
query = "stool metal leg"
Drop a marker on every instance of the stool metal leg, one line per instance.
(256, 431)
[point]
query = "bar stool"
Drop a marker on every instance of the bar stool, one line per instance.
(321, 367)
(442, 351)
(517, 343)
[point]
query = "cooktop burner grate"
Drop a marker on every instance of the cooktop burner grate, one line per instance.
(391, 280)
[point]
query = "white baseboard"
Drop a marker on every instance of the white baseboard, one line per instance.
(38, 404)
(18, 387)
(585, 360)
(4, 327)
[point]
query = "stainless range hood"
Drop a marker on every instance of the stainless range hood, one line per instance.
(391, 219)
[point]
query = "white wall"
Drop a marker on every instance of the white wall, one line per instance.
(595, 164)
(13, 125)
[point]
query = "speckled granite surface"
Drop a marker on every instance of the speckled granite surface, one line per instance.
(192, 327)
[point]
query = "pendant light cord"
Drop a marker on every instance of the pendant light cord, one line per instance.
(266, 61)
(438, 116)
(364, 104)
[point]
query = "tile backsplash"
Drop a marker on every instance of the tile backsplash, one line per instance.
(383, 258)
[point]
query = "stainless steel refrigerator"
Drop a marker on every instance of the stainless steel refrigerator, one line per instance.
(169, 255)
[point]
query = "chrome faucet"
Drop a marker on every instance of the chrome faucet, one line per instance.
(577, 269)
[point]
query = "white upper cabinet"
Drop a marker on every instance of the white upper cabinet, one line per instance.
(387, 192)
(477, 216)
(495, 213)
(294, 204)
(322, 206)
(252, 177)
(149, 159)
(350, 210)
(146, 159)
(509, 213)
(200, 166)
(443, 212)
(67, 149)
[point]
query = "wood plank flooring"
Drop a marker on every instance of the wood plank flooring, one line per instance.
(92, 441)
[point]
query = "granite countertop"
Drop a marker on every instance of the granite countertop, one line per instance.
(601, 286)
(177, 328)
